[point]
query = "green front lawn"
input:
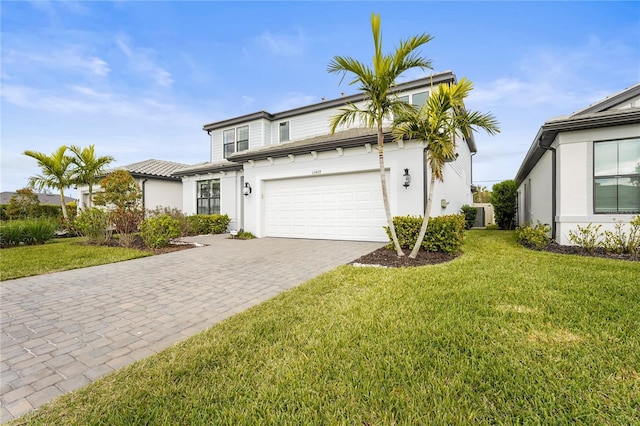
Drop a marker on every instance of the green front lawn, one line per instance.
(500, 335)
(59, 255)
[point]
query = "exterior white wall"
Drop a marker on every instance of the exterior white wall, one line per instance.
(539, 184)
(403, 201)
(162, 193)
(574, 182)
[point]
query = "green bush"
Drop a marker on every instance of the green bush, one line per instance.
(27, 232)
(245, 235)
(183, 220)
(444, 233)
(536, 236)
(49, 210)
(209, 223)
(158, 231)
(504, 200)
(3, 212)
(12, 233)
(587, 237)
(470, 214)
(93, 223)
(618, 241)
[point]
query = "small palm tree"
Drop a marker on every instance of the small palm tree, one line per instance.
(56, 173)
(87, 167)
(377, 85)
(437, 122)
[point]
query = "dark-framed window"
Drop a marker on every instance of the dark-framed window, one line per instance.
(242, 136)
(616, 176)
(208, 197)
(284, 131)
(229, 142)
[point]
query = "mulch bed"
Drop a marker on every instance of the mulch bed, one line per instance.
(388, 258)
(581, 251)
(138, 244)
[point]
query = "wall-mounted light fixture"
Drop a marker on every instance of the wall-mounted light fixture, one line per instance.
(407, 178)
(247, 189)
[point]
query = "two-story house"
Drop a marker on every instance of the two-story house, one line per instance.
(286, 175)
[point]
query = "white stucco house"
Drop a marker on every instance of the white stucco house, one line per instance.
(584, 168)
(159, 187)
(285, 175)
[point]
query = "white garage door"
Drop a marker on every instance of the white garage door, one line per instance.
(336, 207)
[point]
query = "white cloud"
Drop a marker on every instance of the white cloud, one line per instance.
(54, 58)
(141, 61)
(282, 44)
(293, 100)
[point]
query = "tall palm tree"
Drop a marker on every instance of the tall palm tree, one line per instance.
(377, 85)
(437, 122)
(56, 173)
(87, 166)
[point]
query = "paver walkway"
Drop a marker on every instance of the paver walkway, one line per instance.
(61, 331)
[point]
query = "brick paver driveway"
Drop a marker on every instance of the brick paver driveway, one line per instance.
(60, 331)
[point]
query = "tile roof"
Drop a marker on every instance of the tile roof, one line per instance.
(50, 199)
(152, 167)
(207, 168)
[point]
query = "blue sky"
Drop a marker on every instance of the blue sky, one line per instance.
(139, 79)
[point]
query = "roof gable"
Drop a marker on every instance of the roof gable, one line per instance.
(628, 98)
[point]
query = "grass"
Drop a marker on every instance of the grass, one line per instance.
(59, 255)
(501, 335)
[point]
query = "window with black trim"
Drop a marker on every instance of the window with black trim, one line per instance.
(616, 176)
(242, 135)
(229, 142)
(284, 131)
(208, 198)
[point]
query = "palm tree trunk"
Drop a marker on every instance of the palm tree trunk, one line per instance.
(64, 207)
(90, 200)
(385, 195)
(425, 219)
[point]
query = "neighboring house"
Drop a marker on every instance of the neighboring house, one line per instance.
(159, 187)
(46, 199)
(584, 168)
(285, 175)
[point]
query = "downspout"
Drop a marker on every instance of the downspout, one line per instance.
(471, 168)
(144, 207)
(553, 187)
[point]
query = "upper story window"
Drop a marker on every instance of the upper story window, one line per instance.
(616, 176)
(229, 142)
(242, 134)
(284, 131)
(235, 140)
(419, 99)
(404, 98)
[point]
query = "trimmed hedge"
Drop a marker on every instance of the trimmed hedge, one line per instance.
(27, 232)
(41, 210)
(444, 233)
(201, 224)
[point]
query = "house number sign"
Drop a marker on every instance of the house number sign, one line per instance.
(316, 172)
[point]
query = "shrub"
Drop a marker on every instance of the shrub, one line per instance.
(504, 201)
(184, 224)
(27, 232)
(93, 223)
(158, 231)
(536, 236)
(587, 237)
(618, 241)
(245, 235)
(12, 233)
(444, 233)
(209, 223)
(49, 210)
(470, 214)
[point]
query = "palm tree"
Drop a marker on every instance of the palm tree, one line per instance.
(56, 173)
(377, 85)
(87, 167)
(437, 122)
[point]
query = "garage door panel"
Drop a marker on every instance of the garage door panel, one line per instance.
(347, 206)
